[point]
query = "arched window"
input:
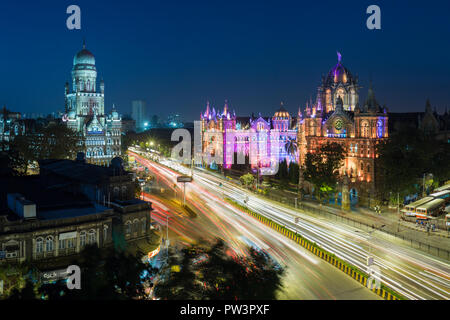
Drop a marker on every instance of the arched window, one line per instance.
(49, 244)
(92, 237)
(39, 245)
(82, 238)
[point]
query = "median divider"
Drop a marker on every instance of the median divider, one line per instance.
(354, 272)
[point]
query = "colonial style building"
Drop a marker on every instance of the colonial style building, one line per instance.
(262, 139)
(336, 116)
(49, 218)
(85, 111)
(339, 118)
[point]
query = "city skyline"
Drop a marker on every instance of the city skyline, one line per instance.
(253, 55)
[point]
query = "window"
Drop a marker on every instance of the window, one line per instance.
(62, 244)
(39, 245)
(128, 227)
(365, 129)
(144, 225)
(49, 244)
(105, 232)
(92, 237)
(82, 239)
(136, 225)
(70, 243)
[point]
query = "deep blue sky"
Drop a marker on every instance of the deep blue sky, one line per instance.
(178, 54)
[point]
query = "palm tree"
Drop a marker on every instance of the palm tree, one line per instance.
(291, 147)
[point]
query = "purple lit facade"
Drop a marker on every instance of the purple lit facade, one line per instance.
(263, 140)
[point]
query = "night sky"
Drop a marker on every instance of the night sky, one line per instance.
(176, 55)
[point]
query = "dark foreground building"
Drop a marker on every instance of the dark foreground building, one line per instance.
(48, 218)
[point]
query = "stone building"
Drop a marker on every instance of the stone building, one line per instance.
(85, 111)
(339, 118)
(48, 218)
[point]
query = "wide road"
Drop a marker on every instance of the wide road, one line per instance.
(307, 276)
(411, 272)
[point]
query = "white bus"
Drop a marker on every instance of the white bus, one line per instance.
(441, 195)
(433, 208)
(410, 209)
(443, 188)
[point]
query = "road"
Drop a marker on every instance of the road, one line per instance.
(307, 276)
(413, 273)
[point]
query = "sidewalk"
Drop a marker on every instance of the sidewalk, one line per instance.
(436, 242)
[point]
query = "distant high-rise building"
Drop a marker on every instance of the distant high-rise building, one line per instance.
(138, 114)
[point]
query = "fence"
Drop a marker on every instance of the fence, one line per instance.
(414, 243)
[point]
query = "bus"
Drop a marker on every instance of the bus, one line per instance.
(410, 209)
(433, 208)
(441, 195)
(443, 188)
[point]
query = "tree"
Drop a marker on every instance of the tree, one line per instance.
(213, 271)
(406, 156)
(294, 172)
(321, 168)
(283, 173)
(247, 180)
(106, 275)
(56, 141)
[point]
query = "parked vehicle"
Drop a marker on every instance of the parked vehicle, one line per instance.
(433, 208)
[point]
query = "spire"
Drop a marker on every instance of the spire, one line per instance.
(84, 43)
(339, 56)
(225, 108)
(207, 109)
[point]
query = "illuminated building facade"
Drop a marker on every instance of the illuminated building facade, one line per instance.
(339, 118)
(262, 140)
(85, 111)
(336, 116)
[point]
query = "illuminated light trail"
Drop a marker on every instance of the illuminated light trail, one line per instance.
(402, 266)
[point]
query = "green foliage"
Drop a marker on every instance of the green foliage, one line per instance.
(283, 173)
(214, 272)
(321, 168)
(55, 141)
(406, 156)
(293, 172)
(247, 180)
(105, 275)
(16, 281)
